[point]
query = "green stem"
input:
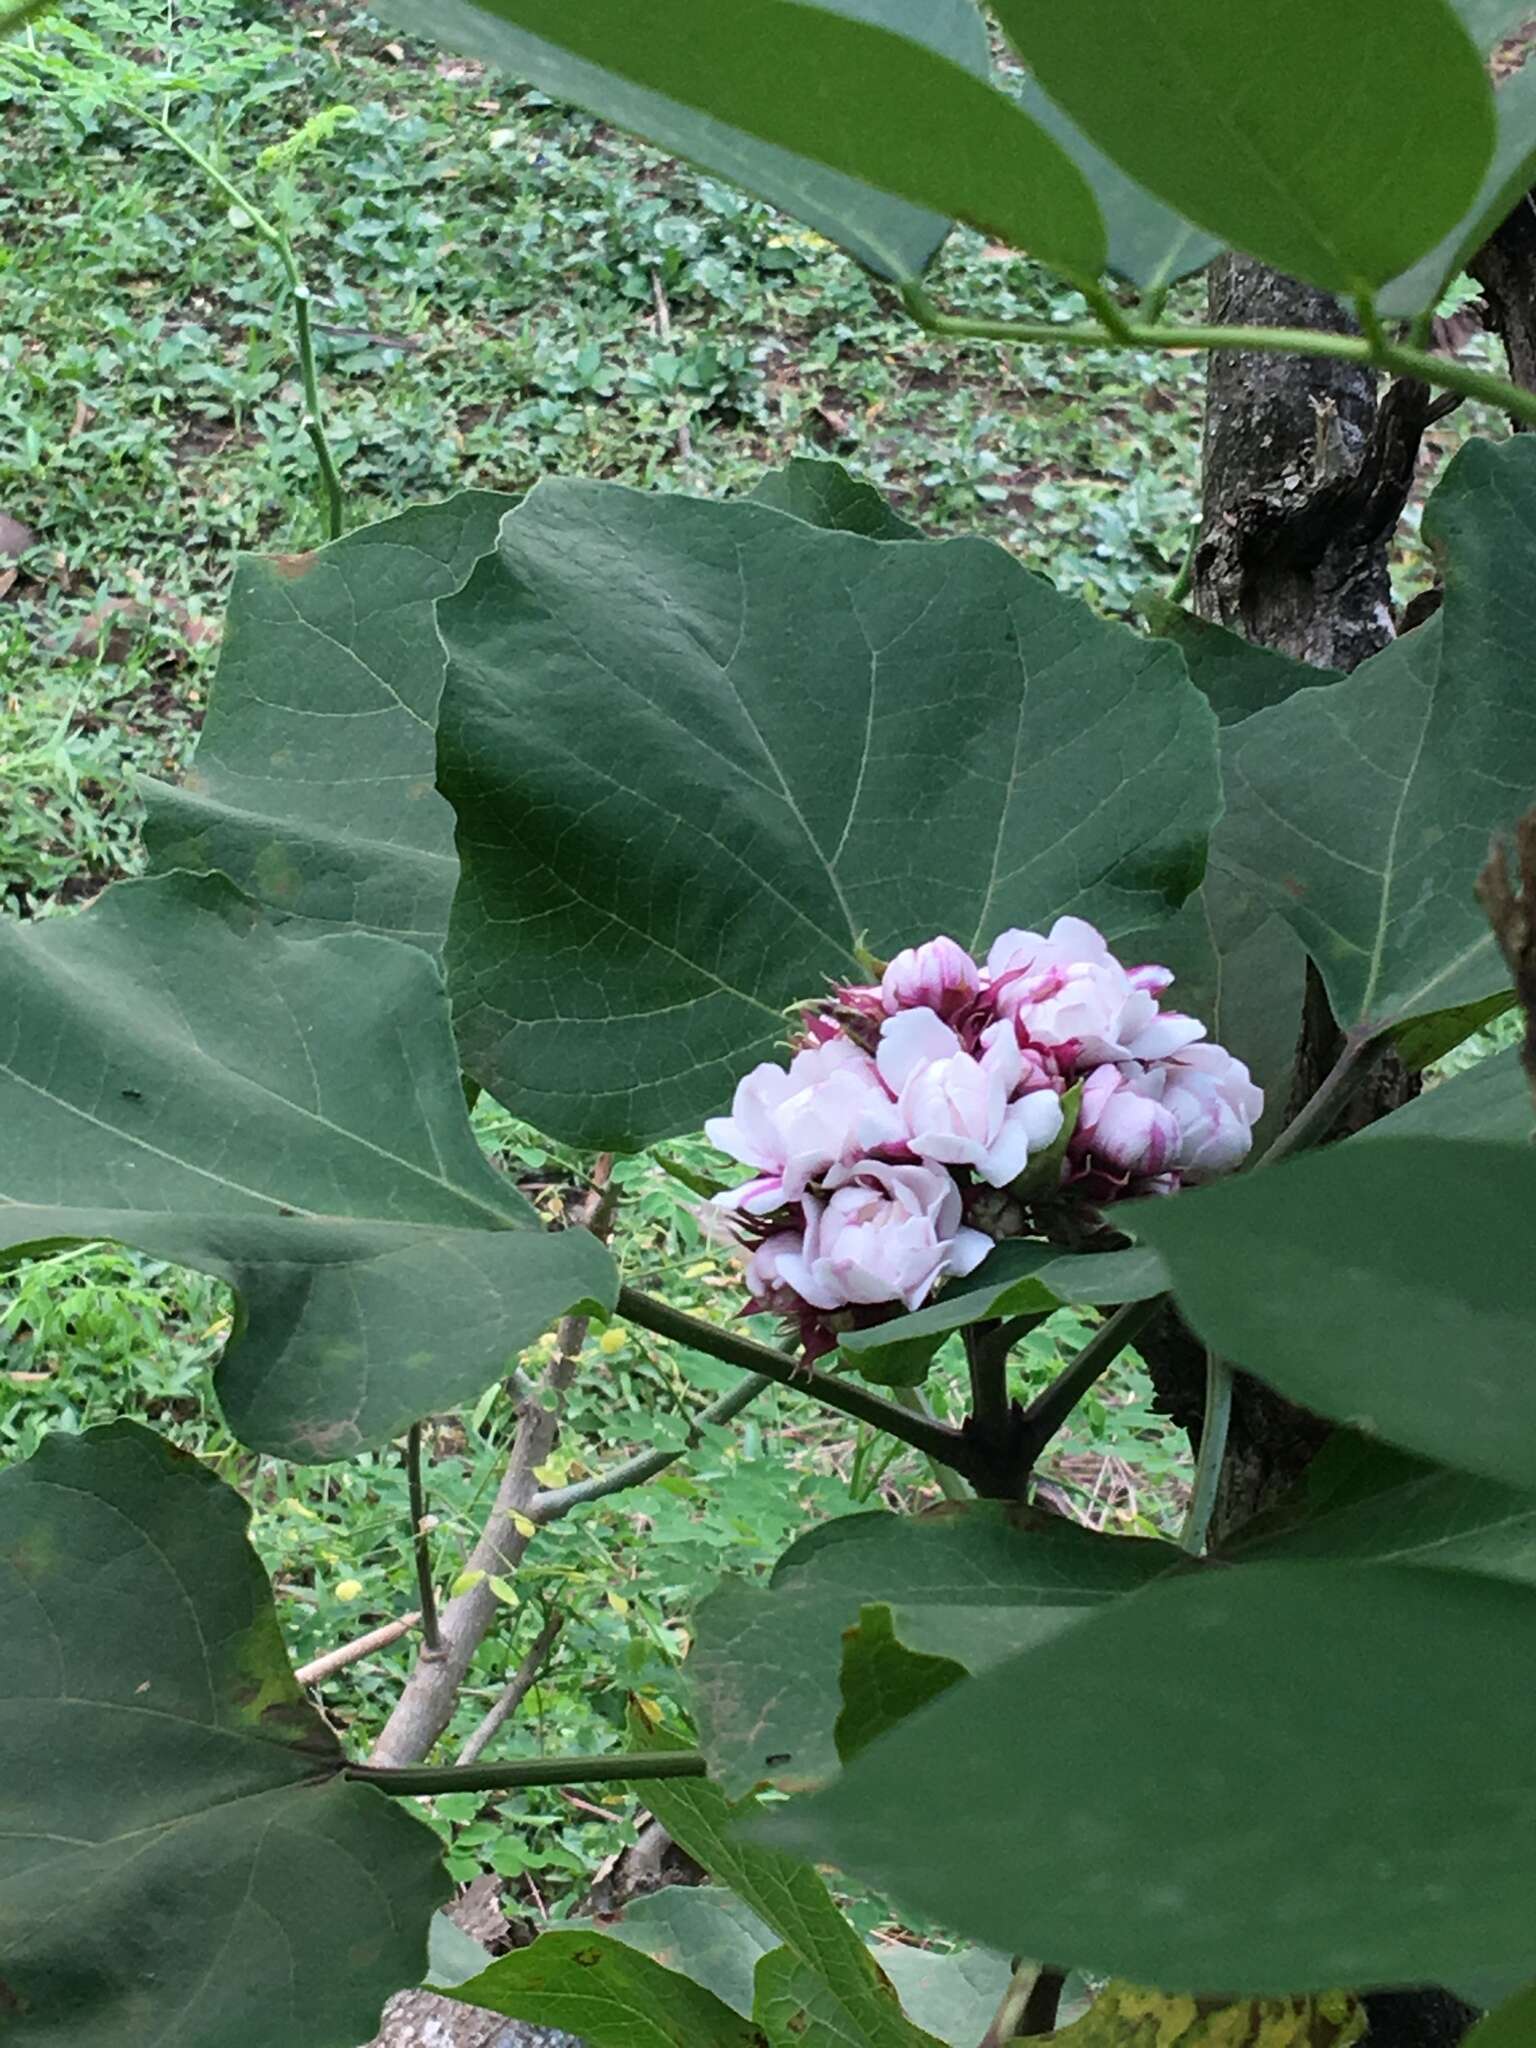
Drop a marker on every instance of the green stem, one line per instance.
(1213, 1451)
(421, 1543)
(948, 1481)
(934, 1439)
(1320, 1111)
(267, 231)
(420, 1781)
(1046, 1414)
(1380, 352)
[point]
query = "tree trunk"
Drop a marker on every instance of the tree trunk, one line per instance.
(1307, 467)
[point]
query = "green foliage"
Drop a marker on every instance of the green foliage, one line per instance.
(913, 119)
(617, 955)
(1217, 110)
(212, 1819)
(340, 827)
(615, 1995)
(1293, 1273)
(1411, 763)
(210, 1112)
(1335, 1826)
(971, 1587)
(1510, 2027)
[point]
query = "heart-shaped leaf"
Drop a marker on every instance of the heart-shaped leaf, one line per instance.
(809, 106)
(285, 1111)
(970, 1586)
(1251, 1781)
(1338, 144)
(312, 787)
(1416, 1330)
(183, 1858)
(699, 752)
(1363, 809)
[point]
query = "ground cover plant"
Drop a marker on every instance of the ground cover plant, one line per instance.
(1016, 951)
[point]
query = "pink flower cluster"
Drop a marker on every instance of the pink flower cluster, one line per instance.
(907, 1101)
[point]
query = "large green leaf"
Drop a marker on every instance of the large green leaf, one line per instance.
(180, 1857)
(972, 1586)
(1390, 1286)
(1369, 1504)
(953, 1995)
(810, 107)
(1254, 1781)
(1491, 1100)
(1149, 244)
(824, 494)
(179, 1074)
(1338, 144)
(831, 1965)
(1363, 809)
(1504, 185)
(699, 751)
(608, 1992)
(312, 786)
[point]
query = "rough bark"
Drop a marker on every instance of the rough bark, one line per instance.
(1505, 267)
(1307, 467)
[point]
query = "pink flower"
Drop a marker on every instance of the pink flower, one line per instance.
(768, 1291)
(827, 1108)
(964, 1110)
(890, 1233)
(1216, 1104)
(940, 976)
(1124, 1122)
(1068, 992)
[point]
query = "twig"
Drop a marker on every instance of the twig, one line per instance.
(425, 1705)
(664, 335)
(1048, 1411)
(423, 1781)
(559, 1500)
(1321, 1110)
(421, 1543)
(517, 1689)
(318, 1669)
(1506, 889)
(1214, 1431)
(986, 1354)
(935, 1439)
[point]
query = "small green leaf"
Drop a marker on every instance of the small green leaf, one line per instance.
(810, 107)
(824, 494)
(184, 1858)
(610, 1994)
(789, 1897)
(953, 1994)
(1023, 1276)
(703, 1931)
(699, 752)
(968, 1586)
(883, 1681)
(1423, 1040)
(1388, 1285)
(1337, 144)
(179, 1073)
(1253, 1777)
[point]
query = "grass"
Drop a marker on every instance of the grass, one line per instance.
(503, 290)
